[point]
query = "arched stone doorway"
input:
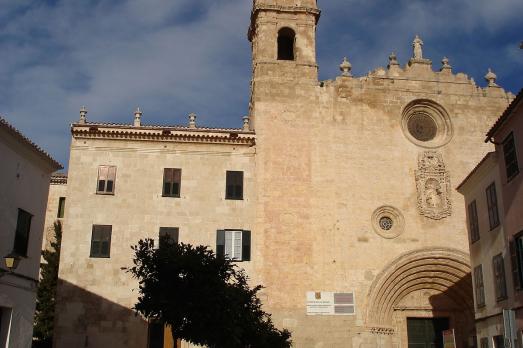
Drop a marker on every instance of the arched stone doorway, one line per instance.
(426, 283)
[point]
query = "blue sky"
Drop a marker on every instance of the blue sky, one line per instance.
(176, 57)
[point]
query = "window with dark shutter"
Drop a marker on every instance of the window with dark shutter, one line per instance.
(101, 241)
(234, 185)
(473, 222)
(511, 158)
(483, 342)
(168, 235)
(234, 244)
(516, 253)
(492, 206)
(172, 178)
(61, 207)
(106, 180)
(514, 264)
(478, 285)
(499, 277)
(23, 227)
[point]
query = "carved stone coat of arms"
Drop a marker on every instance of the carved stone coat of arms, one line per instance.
(433, 185)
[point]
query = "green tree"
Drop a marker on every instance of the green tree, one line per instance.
(45, 297)
(204, 298)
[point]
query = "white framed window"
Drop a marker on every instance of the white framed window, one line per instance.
(234, 244)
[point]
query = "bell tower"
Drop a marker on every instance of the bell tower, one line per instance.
(283, 41)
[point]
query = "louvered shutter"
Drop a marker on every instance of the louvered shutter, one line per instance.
(515, 265)
(246, 246)
(220, 243)
(167, 181)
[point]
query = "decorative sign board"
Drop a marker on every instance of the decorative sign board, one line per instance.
(330, 303)
(449, 341)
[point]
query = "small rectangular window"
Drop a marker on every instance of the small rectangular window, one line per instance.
(492, 206)
(473, 222)
(511, 158)
(23, 227)
(101, 241)
(61, 207)
(234, 244)
(234, 185)
(106, 180)
(499, 277)
(168, 235)
(478, 286)
(172, 178)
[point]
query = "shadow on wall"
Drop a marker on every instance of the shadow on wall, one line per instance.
(84, 319)
(457, 303)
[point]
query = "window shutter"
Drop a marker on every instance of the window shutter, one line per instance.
(515, 265)
(220, 243)
(246, 246)
(102, 178)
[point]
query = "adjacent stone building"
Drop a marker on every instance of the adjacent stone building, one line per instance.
(489, 253)
(24, 177)
(55, 211)
(336, 195)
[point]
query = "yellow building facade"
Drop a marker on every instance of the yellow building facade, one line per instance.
(354, 226)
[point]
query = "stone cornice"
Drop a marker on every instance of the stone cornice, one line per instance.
(158, 133)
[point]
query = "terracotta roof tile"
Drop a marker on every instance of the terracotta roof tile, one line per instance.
(59, 178)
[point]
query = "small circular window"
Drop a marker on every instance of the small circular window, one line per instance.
(388, 222)
(422, 127)
(426, 124)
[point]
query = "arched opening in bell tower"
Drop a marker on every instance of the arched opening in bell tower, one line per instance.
(286, 39)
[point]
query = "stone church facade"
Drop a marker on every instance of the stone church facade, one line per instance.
(347, 193)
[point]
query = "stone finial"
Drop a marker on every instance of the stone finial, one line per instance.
(83, 115)
(393, 60)
(445, 64)
(246, 124)
(138, 117)
(417, 48)
(491, 78)
(192, 120)
(345, 68)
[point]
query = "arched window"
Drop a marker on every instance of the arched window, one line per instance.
(286, 38)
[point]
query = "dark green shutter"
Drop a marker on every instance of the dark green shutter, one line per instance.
(220, 243)
(515, 265)
(246, 246)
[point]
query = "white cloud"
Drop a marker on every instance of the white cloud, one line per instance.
(174, 57)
